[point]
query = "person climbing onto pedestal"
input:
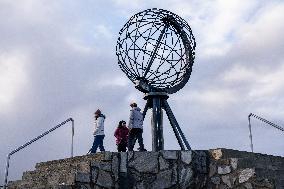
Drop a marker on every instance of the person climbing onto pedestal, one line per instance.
(98, 133)
(135, 127)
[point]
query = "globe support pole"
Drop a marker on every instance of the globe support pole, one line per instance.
(155, 101)
(157, 125)
(177, 130)
(158, 101)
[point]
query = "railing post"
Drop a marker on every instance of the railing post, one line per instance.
(263, 120)
(250, 133)
(72, 140)
(6, 170)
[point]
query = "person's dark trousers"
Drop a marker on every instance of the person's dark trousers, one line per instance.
(121, 147)
(134, 134)
(98, 142)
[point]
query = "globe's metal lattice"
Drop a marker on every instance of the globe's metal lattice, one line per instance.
(156, 50)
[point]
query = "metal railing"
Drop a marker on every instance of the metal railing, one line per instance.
(263, 120)
(32, 141)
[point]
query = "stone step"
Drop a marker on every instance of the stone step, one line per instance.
(14, 184)
(248, 159)
(27, 175)
(229, 153)
(266, 173)
(19, 184)
(52, 177)
(60, 173)
(261, 163)
(78, 162)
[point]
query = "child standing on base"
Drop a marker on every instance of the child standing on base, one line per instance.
(121, 135)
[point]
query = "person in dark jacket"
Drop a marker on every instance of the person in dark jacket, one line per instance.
(135, 127)
(98, 133)
(121, 135)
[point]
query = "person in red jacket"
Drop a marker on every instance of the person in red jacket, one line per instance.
(121, 135)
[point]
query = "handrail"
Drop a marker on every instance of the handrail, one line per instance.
(32, 141)
(263, 120)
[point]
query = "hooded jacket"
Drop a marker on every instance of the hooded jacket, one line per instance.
(99, 125)
(136, 118)
(121, 134)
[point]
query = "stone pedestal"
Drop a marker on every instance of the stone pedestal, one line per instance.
(218, 168)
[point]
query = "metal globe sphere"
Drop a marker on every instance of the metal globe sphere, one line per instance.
(156, 50)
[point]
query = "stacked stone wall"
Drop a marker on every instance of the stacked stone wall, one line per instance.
(209, 169)
(165, 169)
(234, 169)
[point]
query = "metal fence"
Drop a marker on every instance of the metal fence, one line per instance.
(34, 140)
(263, 120)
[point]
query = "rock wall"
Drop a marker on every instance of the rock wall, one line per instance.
(165, 169)
(235, 169)
(219, 168)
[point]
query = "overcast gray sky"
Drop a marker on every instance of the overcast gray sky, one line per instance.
(57, 60)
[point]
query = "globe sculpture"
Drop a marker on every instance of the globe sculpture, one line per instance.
(156, 50)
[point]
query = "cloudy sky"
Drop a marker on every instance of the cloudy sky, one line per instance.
(57, 60)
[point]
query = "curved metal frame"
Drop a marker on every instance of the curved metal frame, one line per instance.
(131, 52)
(34, 140)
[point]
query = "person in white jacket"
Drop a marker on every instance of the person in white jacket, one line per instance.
(135, 127)
(98, 133)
